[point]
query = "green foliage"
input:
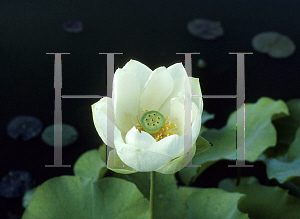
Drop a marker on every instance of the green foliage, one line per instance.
(263, 201)
(206, 116)
(75, 197)
(287, 126)
(286, 166)
(260, 134)
(272, 136)
(214, 203)
(283, 161)
(115, 164)
(268, 202)
(172, 201)
(91, 165)
(202, 145)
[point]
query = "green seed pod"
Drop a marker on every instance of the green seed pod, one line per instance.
(152, 121)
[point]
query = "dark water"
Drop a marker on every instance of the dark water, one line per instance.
(149, 31)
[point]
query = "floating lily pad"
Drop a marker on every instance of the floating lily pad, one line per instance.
(205, 29)
(274, 44)
(201, 63)
(73, 26)
(15, 184)
(26, 126)
(69, 135)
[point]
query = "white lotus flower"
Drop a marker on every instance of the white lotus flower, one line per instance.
(149, 117)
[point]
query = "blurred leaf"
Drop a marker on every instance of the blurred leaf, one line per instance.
(90, 165)
(170, 201)
(268, 202)
(206, 116)
(228, 184)
(185, 174)
(75, 197)
(294, 150)
(285, 167)
(214, 203)
(287, 126)
(259, 131)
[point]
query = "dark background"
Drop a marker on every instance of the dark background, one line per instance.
(151, 32)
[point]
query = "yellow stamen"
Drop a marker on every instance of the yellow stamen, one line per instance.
(162, 133)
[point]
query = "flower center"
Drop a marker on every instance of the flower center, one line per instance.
(153, 122)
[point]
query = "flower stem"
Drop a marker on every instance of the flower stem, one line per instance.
(152, 190)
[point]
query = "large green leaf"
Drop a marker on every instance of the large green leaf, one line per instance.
(259, 132)
(75, 197)
(170, 201)
(287, 126)
(259, 135)
(214, 203)
(281, 170)
(287, 166)
(228, 184)
(268, 202)
(91, 165)
(186, 173)
(140, 179)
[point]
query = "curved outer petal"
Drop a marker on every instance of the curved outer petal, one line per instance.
(196, 90)
(140, 71)
(126, 94)
(177, 72)
(139, 140)
(177, 164)
(196, 120)
(101, 121)
(140, 159)
(171, 146)
(115, 164)
(157, 89)
(197, 107)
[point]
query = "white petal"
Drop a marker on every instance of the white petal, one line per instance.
(196, 90)
(178, 73)
(196, 120)
(102, 123)
(177, 115)
(179, 163)
(140, 71)
(141, 140)
(126, 93)
(157, 89)
(171, 145)
(140, 159)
